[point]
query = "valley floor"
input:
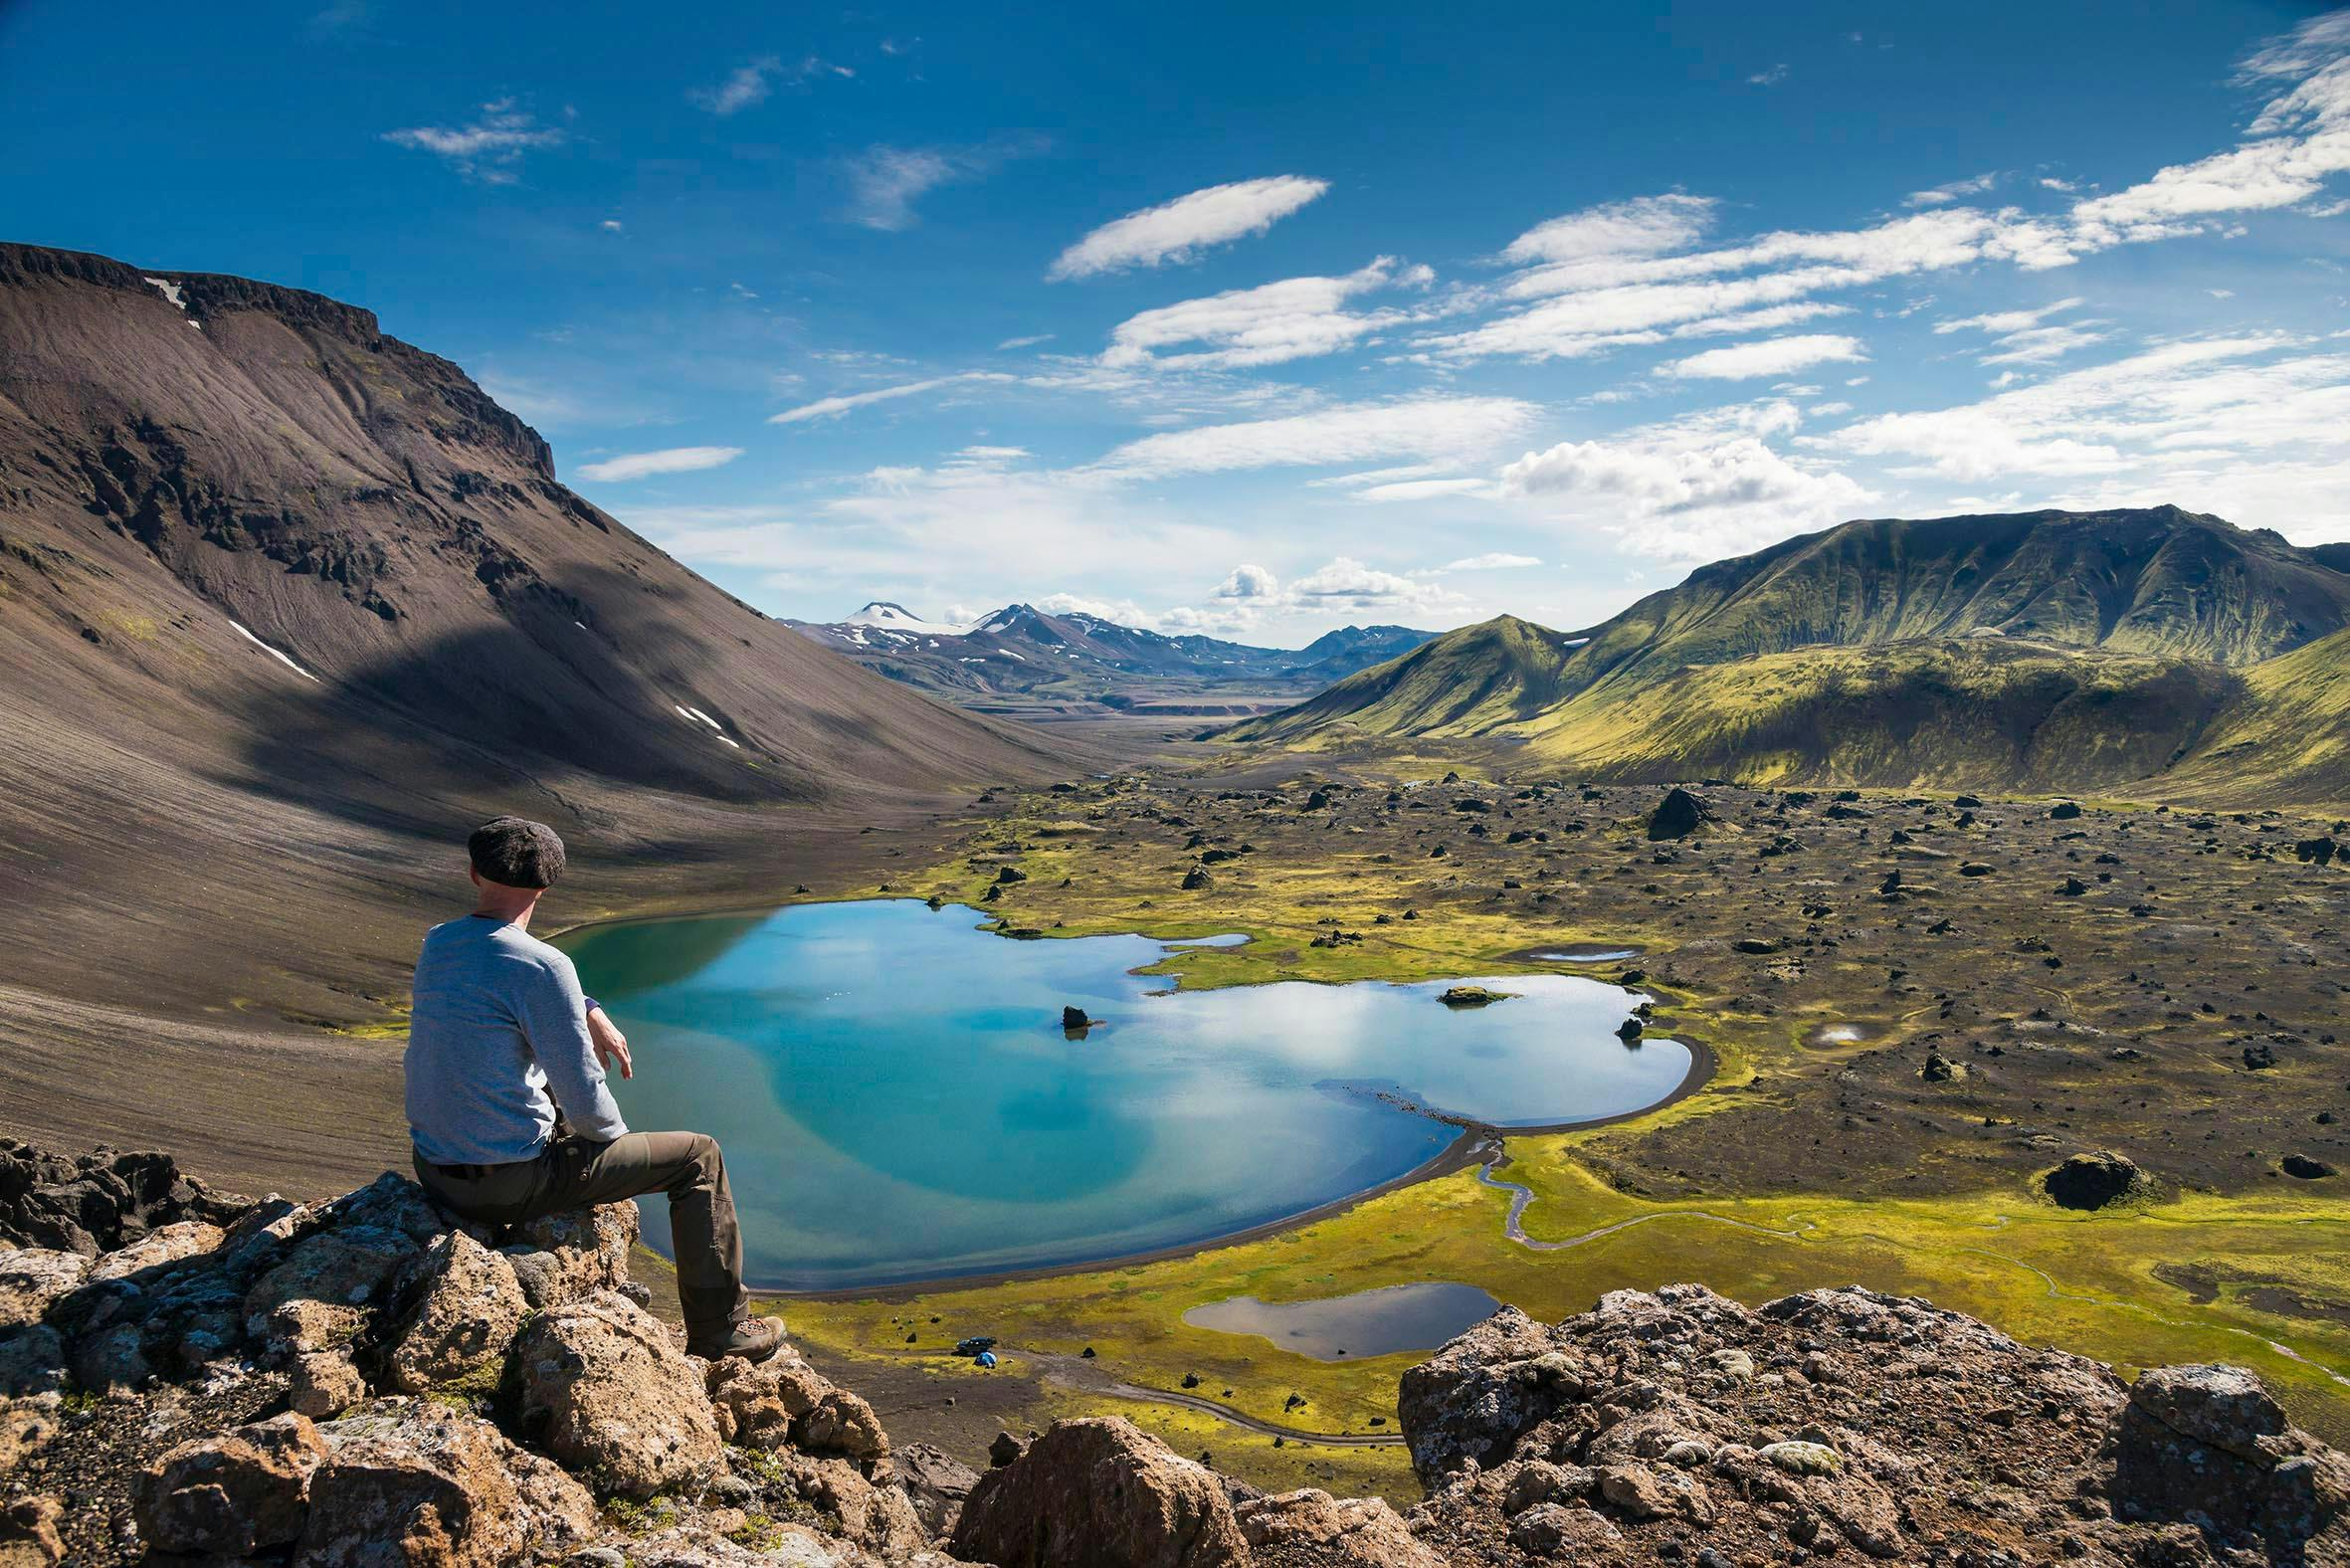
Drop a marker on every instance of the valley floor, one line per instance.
(1918, 1005)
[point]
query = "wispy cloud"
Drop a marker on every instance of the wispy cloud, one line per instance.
(489, 147)
(885, 182)
(1425, 427)
(1290, 319)
(1775, 356)
(749, 84)
(1944, 195)
(645, 465)
(1769, 76)
(831, 407)
(1180, 230)
(1493, 561)
(1642, 226)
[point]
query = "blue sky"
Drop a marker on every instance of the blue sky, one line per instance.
(1260, 324)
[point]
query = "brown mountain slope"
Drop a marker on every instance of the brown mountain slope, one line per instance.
(285, 603)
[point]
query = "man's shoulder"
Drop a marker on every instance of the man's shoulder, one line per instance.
(518, 943)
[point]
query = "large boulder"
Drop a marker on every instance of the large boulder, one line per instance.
(563, 1257)
(607, 1390)
(327, 1287)
(35, 1279)
(935, 1483)
(27, 1532)
(95, 1202)
(2209, 1445)
(1312, 1529)
(408, 1484)
(157, 1250)
(1099, 1492)
(1472, 1401)
(468, 1310)
(234, 1493)
(1678, 815)
(2091, 1181)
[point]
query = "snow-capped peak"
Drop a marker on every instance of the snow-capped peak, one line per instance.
(885, 616)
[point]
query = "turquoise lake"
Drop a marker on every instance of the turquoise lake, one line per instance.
(897, 1100)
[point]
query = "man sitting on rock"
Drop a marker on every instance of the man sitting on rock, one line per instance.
(501, 1040)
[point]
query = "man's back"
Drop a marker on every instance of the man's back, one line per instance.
(498, 1020)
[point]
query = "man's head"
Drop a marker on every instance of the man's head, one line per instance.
(515, 852)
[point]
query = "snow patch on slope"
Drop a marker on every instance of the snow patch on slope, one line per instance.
(266, 648)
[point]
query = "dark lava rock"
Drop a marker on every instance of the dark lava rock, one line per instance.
(1629, 1030)
(1011, 873)
(1967, 802)
(95, 1202)
(2064, 811)
(2091, 1181)
(2303, 1166)
(2318, 850)
(1678, 815)
(1939, 1069)
(1197, 878)
(1472, 996)
(2260, 1057)
(1074, 1017)
(935, 1483)
(1003, 1451)
(1758, 944)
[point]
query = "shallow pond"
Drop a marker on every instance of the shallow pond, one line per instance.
(1378, 1322)
(899, 1101)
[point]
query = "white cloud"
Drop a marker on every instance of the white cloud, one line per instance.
(1295, 318)
(1426, 490)
(1774, 356)
(1029, 342)
(1642, 226)
(749, 84)
(2039, 344)
(2000, 322)
(832, 407)
(885, 182)
(490, 147)
(1179, 229)
(1425, 427)
(1944, 195)
(1705, 486)
(2299, 140)
(644, 464)
(2249, 427)
(1769, 76)
(1248, 582)
(1493, 562)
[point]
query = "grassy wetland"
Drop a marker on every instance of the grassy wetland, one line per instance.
(1916, 1006)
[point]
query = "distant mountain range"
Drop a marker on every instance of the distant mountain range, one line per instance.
(1021, 655)
(2065, 649)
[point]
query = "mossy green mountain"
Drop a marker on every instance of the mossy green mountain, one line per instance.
(2052, 649)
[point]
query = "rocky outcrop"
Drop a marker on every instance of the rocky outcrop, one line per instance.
(1312, 1529)
(410, 1482)
(2091, 1181)
(250, 1359)
(607, 1388)
(233, 1495)
(468, 1308)
(1678, 815)
(1681, 1425)
(1099, 1490)
(97, 1202)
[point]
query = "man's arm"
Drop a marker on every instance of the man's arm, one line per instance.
(554, 1020)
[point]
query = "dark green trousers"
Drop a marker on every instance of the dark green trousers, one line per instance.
(571, 1173)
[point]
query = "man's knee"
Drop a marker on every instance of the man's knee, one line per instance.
(709, 1161)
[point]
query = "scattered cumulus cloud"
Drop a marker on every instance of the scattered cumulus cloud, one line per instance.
(1944, 195)
(490, 147)
(1179, 231)
(644, 464)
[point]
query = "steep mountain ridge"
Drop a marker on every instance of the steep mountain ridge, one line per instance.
(2044, 650)
(1023, 652)
(285, 605)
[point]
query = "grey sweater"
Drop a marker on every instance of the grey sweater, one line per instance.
(500, 1026)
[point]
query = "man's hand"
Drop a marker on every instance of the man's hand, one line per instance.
(612, 1046)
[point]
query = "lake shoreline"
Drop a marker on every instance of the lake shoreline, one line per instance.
(1476, 1143)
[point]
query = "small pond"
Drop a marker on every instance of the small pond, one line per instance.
(1378, 1322)
(897, 1100)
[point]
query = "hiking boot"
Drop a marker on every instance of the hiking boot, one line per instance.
(753, 1339)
